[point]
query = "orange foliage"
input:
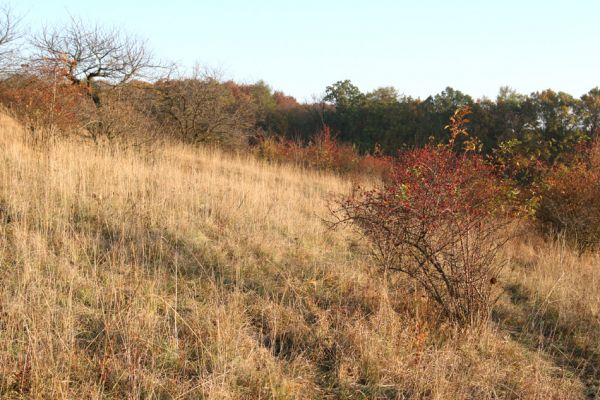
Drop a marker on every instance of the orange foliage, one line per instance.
(239, 91)
(570, 201)
(324, 152)
(45, 99)
(285, 102)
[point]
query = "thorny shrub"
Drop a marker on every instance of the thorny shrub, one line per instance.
(440, 219)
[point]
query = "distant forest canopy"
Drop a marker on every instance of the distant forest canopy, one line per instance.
(545, 123)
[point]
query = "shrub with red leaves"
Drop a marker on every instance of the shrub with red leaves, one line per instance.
(375, 165)
(324, 152)
(440, 219)
(43, 101)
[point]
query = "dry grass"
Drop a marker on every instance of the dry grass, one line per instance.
(187, 273)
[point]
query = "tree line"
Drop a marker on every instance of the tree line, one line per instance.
(544, 122)
(106, 83)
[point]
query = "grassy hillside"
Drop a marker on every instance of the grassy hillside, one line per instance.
(185, 273)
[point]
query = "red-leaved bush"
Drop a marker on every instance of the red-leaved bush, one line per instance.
(44, 102)
(324, 152)
(439, 219)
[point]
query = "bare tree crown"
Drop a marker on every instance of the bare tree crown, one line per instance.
(90, 53)
(9, 36)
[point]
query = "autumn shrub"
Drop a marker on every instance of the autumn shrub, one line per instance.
(376, 164)
(440, 218)
(570, 200)
(44, 102)
(324, 151)
(278, 149)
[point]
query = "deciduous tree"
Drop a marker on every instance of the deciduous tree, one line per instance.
(92, 53)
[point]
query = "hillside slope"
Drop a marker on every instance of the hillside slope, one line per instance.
(186, 273)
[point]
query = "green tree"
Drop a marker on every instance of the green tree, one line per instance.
(346, 115)
(589, 112)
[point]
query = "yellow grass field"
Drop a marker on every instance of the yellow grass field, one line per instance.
(186, 273)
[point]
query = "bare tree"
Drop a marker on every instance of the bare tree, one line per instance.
(87, 54)
(125, 116)
(9, 37)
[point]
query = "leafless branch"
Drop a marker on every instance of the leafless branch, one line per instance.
(86, 54)
(9, 38)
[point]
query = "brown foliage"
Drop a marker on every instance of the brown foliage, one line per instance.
(44, 101)
(570, 201)
(202, 109)
(284, 101)
(121, 116)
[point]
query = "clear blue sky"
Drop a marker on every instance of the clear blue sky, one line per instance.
(419, 47)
